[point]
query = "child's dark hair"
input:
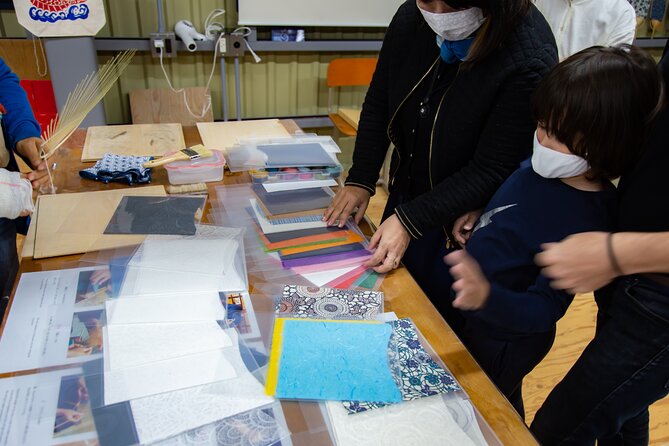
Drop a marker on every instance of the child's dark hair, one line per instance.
(600, 103)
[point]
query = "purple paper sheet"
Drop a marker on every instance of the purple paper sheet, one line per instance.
(325, 259)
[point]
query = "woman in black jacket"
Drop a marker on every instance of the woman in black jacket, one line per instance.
(451, 92)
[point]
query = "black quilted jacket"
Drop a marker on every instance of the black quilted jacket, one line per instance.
(483, 129)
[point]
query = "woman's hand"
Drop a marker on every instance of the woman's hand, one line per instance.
(471, 286)
(343, 204)
(578, 263)
(390, 241)
(29, 149)
(463, 226)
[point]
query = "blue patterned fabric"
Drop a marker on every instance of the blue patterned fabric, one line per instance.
(421, 375)
(117, 168)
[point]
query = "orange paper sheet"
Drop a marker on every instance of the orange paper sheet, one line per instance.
(313, 239)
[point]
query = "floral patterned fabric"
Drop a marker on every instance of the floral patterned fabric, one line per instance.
(329, 303)
(421, 376)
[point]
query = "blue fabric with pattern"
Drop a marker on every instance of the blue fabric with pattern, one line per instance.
(120, 169)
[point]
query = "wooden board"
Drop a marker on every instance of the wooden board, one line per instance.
(350, 115)
(134, 140)
(221, 135)
(162, 105)
(74, 223)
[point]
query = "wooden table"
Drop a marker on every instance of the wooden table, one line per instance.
(403, 296)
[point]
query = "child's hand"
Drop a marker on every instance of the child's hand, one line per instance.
(463, 226)
(471, 286)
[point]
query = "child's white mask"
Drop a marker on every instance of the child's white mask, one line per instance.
(550, 163)
(454, 26)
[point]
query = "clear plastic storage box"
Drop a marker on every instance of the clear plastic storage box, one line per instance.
(200, 170)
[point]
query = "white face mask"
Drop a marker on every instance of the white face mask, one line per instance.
(454, 26)
(550, 163)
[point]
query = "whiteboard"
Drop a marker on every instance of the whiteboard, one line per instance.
(317, 12)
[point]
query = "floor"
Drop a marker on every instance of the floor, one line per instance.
(574, 332)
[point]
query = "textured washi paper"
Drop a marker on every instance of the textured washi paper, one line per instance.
(132, 345)
(331, 360)
(329, 303)
(167, 376)
(169, 414)
(421, 376)
(422, 422)
(212, 260)
(186, 307)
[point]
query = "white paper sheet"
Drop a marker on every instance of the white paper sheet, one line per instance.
(132, 345)
(322, 278)
(423, 422)
(50, 323)
(463, 413)
(165, 415)
(167, 376)
(296, 185)
(187, 307)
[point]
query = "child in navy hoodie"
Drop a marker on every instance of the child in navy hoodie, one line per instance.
(593, 112)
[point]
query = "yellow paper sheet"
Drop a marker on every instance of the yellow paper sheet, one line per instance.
(75, 223)
(133, 140)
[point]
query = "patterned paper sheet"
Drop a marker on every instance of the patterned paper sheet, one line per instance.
(421, 375)
(329, 303)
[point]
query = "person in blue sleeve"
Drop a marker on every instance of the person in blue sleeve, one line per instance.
(593, 110)
(22, 137)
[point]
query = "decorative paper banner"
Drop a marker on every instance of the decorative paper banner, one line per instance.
(61, 18)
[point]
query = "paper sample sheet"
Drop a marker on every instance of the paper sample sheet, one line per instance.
(331, 360)
(133, 345)
(423, 422)
(329, 303)
(185, 307)
(157, 215)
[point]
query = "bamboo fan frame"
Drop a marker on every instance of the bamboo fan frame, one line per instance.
(81, 101)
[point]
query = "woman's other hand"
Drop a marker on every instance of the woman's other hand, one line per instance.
(344, 203)
(390, 242)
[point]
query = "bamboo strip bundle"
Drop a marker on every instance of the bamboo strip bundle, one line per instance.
(82, 100)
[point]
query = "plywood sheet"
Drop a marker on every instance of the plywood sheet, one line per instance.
(162, 105)
(74, 223)
(221, 135)
(133, 140)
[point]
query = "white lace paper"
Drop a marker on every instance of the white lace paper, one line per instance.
(166, 415)
(254, 428)
(133, 345)
(422, 422)
(190, 307)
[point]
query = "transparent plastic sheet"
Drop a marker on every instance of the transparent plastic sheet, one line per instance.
(304, 366)
(211, 260)
(73, 400)
(298, 151)
(75, 223)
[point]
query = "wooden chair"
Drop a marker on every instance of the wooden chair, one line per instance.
(163, 106)
(347, 72)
